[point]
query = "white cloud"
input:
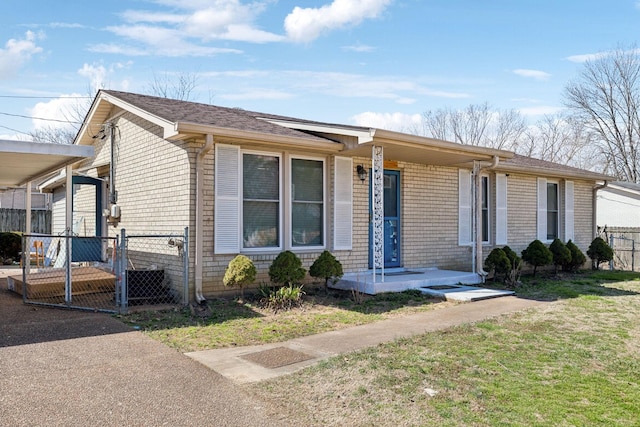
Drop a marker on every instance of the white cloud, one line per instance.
(159, 41)
(400, 122)
(173, 33)
(539, 110)
(55, 112)
(587, 57)
(307, 24)
(251, 94)
(534, 74)
(17, 52)
(359, 48)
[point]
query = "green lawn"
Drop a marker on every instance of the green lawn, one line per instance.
(574, 362)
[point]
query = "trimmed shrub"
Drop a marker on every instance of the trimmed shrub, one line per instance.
(599, 251)
(10, 246)
(326, 267)
(284, 298)
(577, 257)
(286, 269)
(240, 272)
(537, 255)
(513, 277)
(497, 262)
(561, 255)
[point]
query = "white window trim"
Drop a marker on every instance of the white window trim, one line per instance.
(281, 224)
(465, 208)
(569, 211)
(343, 203)
(489, 200)
(502, 232)
(289, 195)
(543, 209)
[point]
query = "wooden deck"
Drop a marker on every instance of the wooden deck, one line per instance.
(51, 282)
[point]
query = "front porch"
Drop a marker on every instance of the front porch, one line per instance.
(445, 284)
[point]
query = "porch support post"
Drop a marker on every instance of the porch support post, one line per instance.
(27, 227)
(68, 233)
(377, 192)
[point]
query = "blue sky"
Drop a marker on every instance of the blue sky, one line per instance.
(378, 63)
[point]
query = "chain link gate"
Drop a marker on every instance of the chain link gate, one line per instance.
(105, 274)
(153, 269)
(67, 271)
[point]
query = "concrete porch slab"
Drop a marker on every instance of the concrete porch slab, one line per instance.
(445, 284)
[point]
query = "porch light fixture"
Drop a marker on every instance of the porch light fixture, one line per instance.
(362, 172)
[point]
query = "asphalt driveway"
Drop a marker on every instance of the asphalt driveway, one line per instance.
(72, 368)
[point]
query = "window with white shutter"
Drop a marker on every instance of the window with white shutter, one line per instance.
(343, 204)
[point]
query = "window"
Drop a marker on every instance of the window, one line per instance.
(266, 203)
(260, 201)
(485, 209)
(307, 202)
(550, 217)
(552, 210)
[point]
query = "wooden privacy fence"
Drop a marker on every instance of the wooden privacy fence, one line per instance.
(625, 243)
(15, 220)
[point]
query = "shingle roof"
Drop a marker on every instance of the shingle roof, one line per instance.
(531, 163)
(174, 111)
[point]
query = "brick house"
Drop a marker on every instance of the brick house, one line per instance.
(258, 184)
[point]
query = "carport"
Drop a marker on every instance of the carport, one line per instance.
(23, 162)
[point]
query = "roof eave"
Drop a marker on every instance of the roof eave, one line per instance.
(183, 130)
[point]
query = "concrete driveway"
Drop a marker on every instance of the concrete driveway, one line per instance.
(71, 368)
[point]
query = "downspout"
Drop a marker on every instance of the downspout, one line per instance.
(594, 207)
(208, 145)
(478, 167)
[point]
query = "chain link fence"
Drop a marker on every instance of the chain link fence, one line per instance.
(89, 281)
(156, 269)
(103, 273)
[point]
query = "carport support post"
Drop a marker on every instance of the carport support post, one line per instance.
(122, 273)
(69, 232)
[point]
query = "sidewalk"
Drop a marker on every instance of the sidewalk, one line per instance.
(256, 363)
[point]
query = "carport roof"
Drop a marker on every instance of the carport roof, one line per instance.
(24, 161)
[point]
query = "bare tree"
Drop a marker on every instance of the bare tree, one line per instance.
(54, 134)
(560, 139)
(180, 88)
(475, 125)
(606, 98)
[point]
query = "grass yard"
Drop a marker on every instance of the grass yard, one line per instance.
(575, 362)
(227, 322)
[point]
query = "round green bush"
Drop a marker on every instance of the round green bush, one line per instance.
(326, 267)
(240, 272)
(599, 251)
(286, 269)
(561, 254)
(577, 257)
(537, 255)
(497, 262)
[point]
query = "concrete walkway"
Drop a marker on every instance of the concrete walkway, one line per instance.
(256, 363)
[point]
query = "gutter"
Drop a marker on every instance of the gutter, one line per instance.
(478, 167)
(594, 206)
(208, 145)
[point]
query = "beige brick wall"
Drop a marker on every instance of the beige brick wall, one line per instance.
(522, 212)
(156, 191)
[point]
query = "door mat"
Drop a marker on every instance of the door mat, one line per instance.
(441, 287)
(277, 357)
(400, 273)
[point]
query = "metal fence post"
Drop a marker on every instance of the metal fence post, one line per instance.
(185, 266)
(611, 267)
(123, 272)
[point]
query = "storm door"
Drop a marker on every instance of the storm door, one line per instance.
(391, 194)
